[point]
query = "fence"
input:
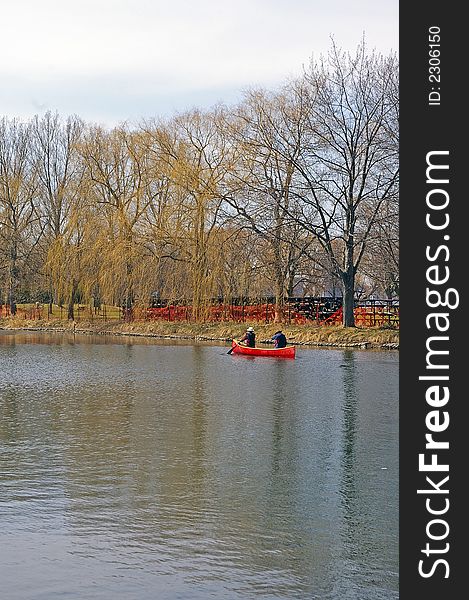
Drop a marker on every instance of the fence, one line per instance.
(368, 316)
(37, 311)
(297, 311)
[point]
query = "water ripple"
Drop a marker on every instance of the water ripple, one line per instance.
(126, 469)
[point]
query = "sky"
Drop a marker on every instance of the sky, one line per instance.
(110, 61)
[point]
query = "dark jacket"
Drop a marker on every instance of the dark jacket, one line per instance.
(250, 338)
(280, 341)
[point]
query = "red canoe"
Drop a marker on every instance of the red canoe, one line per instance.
(287, 352)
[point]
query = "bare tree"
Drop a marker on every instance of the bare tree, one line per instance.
(293, 186)
(349, 167)
(263, 182)
(20, 224)
(381, 259)
(60, 174)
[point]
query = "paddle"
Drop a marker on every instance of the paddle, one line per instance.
(231, 350)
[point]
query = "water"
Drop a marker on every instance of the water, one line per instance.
(139, 471)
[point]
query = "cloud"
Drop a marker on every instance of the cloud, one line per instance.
(156, 49)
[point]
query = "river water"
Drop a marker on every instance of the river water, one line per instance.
(138, 470)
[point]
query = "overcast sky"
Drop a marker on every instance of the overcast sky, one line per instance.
(114, 60)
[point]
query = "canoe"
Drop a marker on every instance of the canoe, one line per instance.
(287, 352)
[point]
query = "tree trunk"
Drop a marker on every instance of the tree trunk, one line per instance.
(12, 295)
(71, 302)
(348, 286)
(13, 279)
(279, 300)
(278, 266)
(71, 312)
(348, 274)
(279, 310)
(199, 261)
(290, 284)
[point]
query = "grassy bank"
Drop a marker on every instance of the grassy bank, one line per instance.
(370, 337)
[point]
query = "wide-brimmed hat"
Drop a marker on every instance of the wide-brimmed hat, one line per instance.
(250, 329)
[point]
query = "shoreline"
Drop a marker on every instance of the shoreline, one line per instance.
(305, 335)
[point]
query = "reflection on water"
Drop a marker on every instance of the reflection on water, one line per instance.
(139, 470)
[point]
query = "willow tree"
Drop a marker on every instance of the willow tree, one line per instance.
(116, 188)
(60, 176)
(20, 220)
(197, 157)
(69, 255)
(349, 164)
(163, 222)
(242, 265)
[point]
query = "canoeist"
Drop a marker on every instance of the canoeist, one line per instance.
(280, 341)
(249, 338)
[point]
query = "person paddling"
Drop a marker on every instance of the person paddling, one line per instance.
(249, 338)
(280, 341)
